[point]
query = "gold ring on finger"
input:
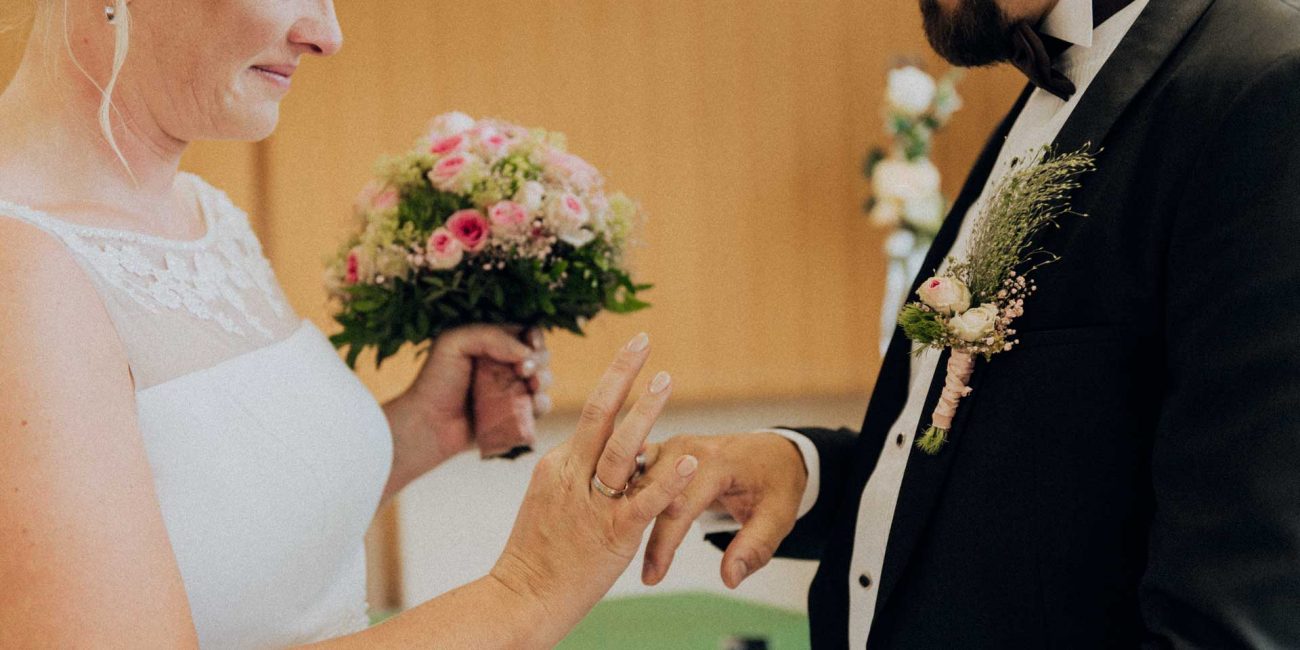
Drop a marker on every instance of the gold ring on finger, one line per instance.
(605, 489)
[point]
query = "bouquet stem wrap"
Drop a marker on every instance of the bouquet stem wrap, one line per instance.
(960, 367)
(504, 426)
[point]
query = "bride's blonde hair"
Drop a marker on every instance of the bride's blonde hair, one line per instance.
(121, 41)
(121, 24)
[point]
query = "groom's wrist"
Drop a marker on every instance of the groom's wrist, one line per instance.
(811, 465)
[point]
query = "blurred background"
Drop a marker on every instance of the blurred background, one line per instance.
(740, 125)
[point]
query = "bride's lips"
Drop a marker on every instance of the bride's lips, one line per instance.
(276, 74)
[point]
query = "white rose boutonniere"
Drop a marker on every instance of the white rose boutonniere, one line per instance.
(1026, 200)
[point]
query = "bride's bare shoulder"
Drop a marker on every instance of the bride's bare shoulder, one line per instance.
(54, 316)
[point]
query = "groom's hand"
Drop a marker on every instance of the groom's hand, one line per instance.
(757, 478)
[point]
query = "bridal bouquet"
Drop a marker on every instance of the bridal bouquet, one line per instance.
(483, 221)
(971, 306)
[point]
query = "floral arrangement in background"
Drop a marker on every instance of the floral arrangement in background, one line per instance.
(971, 305)
(904, 182)
(483, 221)
(905, 191)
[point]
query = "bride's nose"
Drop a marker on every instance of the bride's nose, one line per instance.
(318, 31)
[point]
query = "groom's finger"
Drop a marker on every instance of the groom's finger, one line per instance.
(618, 460)
(757, 541)
(672, 527)
(658, 494)
(602, 407)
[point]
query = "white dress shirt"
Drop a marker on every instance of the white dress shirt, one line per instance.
(1037, 125)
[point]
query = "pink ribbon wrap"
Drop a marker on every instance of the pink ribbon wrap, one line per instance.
(960, 367)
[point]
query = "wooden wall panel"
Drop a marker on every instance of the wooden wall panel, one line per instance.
(739, 125)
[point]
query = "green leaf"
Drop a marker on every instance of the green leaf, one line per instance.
(920, 325)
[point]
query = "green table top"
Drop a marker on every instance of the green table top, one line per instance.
(685, 621)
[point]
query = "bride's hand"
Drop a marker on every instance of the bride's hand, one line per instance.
(439, 397)
(570, 541)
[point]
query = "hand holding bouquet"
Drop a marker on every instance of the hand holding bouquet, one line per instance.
(482, 222)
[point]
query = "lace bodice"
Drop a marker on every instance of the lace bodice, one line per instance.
(268, 455)
(180, 305)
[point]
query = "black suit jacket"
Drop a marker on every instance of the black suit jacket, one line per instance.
(1129, 475)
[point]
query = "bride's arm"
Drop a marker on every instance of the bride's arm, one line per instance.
(86, 559)
(569, 543)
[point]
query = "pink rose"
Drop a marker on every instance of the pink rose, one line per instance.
(444, 250)
(447, 145)
(508, 214)
(491, 142)
(571, 169)
(470, 229)
(449, 167)
(353, 265)
(375, 196)
(386, 200)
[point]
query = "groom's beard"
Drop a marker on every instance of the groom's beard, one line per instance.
(974, 33)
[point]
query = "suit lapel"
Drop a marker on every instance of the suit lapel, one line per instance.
(1146, 47)
(1150, 41)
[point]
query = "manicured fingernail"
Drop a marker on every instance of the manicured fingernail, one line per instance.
(660, 382)
(639, 342)
(686, 466)
(528, 367)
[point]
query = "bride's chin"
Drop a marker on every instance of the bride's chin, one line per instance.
(255, 125)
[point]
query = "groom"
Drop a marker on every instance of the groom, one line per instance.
(1129, 474)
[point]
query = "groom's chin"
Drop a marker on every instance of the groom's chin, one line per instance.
(967, 33)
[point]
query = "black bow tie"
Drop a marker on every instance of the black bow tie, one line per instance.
(1035, 54)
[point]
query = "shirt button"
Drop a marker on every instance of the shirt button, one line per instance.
(865, 581)
(899, 440)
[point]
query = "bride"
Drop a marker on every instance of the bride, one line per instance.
(184, 461)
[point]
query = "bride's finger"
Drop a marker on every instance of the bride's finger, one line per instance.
(618, 460)
(598, 414)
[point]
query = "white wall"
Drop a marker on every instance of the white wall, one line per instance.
(454, 521)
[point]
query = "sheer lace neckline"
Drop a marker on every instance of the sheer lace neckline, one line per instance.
(206, 212)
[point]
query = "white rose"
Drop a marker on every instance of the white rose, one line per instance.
(885, 213)
(975, 324)
(449, 124)
(905, 181)
(945, 295)
(925, 213)
(900, 244)
(530, 196)
(578, 238)
(910, 90)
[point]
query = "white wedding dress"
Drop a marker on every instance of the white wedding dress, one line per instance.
(268, 454)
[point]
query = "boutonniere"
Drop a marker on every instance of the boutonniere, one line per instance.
(971, 306)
